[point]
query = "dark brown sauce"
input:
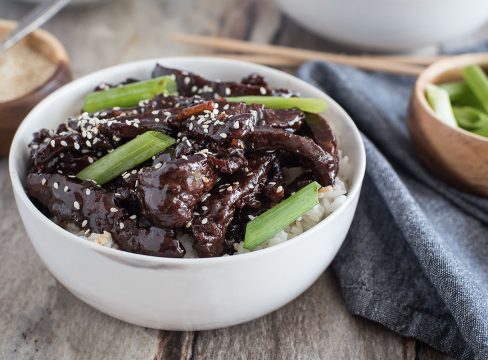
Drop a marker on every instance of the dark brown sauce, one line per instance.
(226, 166)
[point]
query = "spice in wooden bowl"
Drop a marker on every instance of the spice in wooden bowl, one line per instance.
(29, 71)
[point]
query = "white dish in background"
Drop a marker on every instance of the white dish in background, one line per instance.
(184, 294)
(391, 25)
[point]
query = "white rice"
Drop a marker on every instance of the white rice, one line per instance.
(330, 199)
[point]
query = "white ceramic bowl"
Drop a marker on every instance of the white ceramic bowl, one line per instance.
(183, 294)
(392, 25)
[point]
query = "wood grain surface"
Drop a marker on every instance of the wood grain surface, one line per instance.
(39, 319)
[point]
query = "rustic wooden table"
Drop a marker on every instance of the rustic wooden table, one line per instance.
(39, 319)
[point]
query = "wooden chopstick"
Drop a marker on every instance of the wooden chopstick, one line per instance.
(269, 60)
(364, 62)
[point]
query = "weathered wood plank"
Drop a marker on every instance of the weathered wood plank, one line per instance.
(40, 319)
(315, 326)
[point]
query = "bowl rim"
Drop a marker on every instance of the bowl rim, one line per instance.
(62, 58)
(125, 68)
(439, 68)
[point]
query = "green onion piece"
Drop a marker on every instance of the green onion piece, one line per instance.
(456, 90)
(129, 95)
(481, 131)
(280, 216)
(310, 105)
(461, 95)
(477, 81)
(126, 157)
(440, 103)
(471, 119)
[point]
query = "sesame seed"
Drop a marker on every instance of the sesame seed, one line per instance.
(87, 231)
(194, 88)
(204, 221)
(83, 224)
(186, 80)
(66, 188)
(184, 157)
(114, 210)
(156, 120)
(229, 188)
(56, 185)
(190, 127)
(251, 217)
(236, 125)
(262, 90)
(126, 176)
(76, 205)
(227, 91)
(121, 225)
(204, 208)
(77, 146)
(43, 181)
(63, 143)
(133, 217)
(223, 135)
(90, 159)
(205, 179)
(188, 224)
(158, 165)
(279, 189)
(133, 172)
(155, 112)
(87, 192)
(53, 143)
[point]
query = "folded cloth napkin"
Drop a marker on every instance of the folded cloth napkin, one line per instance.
(416, 256)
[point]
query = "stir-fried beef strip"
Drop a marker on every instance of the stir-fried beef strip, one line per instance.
(322, 162)
(93, 209)
(168, 192)
(191, 84)
(209, 225)
(226, 167)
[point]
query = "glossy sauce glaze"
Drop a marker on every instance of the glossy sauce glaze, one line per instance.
(226, 167)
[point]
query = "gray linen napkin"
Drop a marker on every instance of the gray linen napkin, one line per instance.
(416, 257)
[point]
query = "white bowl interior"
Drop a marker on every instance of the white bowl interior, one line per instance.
(67, 101)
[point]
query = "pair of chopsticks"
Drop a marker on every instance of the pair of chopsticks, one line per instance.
(275, 55)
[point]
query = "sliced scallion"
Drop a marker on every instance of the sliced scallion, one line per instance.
(471, 119)
(272, 221)
(310, 105)
(456, 89)
(129, 95)
(126, 157)
(438, 99)
(476, 79)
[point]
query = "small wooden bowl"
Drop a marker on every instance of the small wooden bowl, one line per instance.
(455, 155)
(13, 112)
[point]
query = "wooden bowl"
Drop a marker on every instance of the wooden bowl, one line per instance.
(13, 112)
(455, 155)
